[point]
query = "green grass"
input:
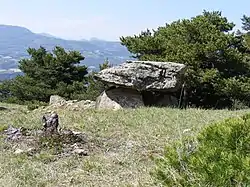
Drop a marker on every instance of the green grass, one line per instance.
(122, 143)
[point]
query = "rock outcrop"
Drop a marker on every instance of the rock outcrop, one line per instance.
(145, 75)
(13, 133)
(118, 98)
(56, 99)
(140, 83)
(33, 142)
(50, 124)
(59, 102)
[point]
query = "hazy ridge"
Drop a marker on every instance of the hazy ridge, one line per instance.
(15, 40)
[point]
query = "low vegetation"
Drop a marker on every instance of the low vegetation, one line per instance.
(123, 145)
(217, 60)
(217, 156)
(46, 73)
(126, 147)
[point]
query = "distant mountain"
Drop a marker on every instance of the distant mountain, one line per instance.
(48, 35)
(4, 75)
(15, 40)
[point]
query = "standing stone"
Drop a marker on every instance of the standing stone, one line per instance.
(118, 98)
(50, 124)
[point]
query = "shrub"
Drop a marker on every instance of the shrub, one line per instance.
(206, 44)
(218, 156)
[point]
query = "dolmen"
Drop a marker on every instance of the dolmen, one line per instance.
(134, 84)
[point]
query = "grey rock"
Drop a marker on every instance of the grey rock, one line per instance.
(13, 133)
(80, 152)
(145, 75)
(118, 98)
(86, 104)
(50, 123)
(18, 151)
(59, 102)
(56, 99)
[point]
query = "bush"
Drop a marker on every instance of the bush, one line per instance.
(212, 52)
(46, 74)
(217, 156)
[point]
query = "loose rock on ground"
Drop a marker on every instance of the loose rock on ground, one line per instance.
(64, 142)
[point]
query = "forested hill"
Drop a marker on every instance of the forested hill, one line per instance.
(15, 40)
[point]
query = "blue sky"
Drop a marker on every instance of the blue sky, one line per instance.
(109, 19)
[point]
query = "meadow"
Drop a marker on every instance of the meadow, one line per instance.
(123, 144)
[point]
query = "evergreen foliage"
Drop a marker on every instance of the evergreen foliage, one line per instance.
(218, 156)
(47, 73)
(216, 57)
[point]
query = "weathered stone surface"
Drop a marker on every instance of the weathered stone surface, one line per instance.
(13, 133)
(145, 75)
(58, 102)
(85, 104)
(56, 99)
(50, 123)
(19, 151)
(118, 98)
(32, 142)
(80, 152)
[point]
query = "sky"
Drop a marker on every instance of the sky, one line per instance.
(109, 19)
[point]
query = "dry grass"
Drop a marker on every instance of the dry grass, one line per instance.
(123, 141)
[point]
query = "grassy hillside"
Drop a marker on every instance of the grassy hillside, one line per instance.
(122, 144)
